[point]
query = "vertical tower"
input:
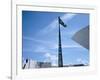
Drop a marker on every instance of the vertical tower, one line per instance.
(60, 58)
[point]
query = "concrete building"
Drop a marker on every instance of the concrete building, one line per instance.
(82, 37)
(44, 64)
(34, 64)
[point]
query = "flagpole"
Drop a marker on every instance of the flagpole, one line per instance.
(60, 58)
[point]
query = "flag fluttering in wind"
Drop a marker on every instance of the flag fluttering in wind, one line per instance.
(60, 56)
(61, 22)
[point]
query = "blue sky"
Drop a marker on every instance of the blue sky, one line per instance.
(40, 36)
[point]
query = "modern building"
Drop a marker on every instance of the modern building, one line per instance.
(82, 37)
(34, 64)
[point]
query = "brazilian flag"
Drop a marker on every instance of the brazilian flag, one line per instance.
(61, 22)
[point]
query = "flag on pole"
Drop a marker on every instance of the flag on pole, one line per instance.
(61, 22)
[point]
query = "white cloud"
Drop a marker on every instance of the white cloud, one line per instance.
(51, 58)
(45, 46)
(42, 45)
(55, 46)
(45, 43)
(47, 55)
(29, 38)
(70, 46)
(82, 61)
(68, 17)
(53, 25)
(34, 39)
(49, 28)
(79, 60)
(40, 49)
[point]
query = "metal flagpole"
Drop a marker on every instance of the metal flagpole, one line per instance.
(60, 58)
